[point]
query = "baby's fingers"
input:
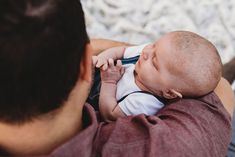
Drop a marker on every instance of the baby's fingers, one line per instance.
(105, 67)
(111, 62)
(122, 70)
(119, 63)
(99, 63)
(120, 67)
(94, 60)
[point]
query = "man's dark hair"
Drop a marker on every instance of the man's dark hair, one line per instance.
(41, 46)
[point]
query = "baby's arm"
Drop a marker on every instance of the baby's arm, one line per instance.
(113, 53)
(108, 105)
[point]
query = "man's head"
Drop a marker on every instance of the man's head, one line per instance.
(180, 63)
(42, 43)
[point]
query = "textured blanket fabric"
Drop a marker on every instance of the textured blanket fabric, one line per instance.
(139, 21)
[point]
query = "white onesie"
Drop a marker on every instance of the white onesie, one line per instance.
(135, 103)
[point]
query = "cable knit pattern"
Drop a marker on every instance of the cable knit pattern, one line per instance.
(138, 21)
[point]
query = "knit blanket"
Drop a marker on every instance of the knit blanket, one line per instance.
(141, 21)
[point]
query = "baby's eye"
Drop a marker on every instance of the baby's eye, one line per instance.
(154, 63)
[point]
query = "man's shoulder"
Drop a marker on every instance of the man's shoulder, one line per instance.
(209, 104)
(204, 111)
(82, 143)
(188, 127)
(185, 127)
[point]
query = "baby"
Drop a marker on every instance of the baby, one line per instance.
(180, 64)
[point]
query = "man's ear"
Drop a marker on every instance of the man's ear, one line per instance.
(172, 94)
(86, 64)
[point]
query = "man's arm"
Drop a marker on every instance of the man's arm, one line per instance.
(226, 95)
(99, 45)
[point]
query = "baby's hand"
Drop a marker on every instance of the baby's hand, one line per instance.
(112, 73)
(102, 59)
(99, 61)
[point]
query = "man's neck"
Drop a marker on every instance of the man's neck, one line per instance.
(43, 134)
(47, 132)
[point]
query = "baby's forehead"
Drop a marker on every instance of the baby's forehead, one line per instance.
(165, 41)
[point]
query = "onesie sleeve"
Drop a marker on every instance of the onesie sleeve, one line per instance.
(138, 103)
(134, 51)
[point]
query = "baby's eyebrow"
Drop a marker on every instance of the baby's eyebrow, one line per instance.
(155, 54)
(155, 60)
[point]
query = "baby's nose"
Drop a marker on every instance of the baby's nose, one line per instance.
(147, 53)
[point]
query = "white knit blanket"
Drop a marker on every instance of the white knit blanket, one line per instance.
(140, 21)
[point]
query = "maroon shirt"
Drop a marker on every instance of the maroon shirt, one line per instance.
(186, 128)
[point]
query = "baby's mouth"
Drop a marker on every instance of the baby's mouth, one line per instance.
(135, 73)
(137, 64)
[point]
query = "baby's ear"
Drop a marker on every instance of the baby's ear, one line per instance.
(171, 94)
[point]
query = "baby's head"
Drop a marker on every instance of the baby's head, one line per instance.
(183, 62)
(195, 62)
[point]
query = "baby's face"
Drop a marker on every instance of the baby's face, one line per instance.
(152, 69)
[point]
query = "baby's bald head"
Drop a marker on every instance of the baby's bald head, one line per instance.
(195, 63)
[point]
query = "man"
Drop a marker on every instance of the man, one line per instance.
(45, 65)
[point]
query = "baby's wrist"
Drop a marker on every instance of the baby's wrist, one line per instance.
(109, 82)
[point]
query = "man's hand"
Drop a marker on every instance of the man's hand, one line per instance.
(111, 73)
